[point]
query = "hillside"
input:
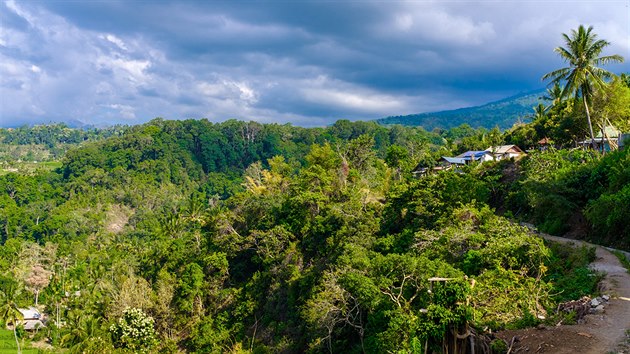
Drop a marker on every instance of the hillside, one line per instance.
(503, 113)
(265, 238)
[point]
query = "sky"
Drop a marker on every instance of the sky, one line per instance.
(304, 62)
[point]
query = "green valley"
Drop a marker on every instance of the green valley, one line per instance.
(240, 237)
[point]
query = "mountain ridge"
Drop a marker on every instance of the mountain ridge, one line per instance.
(502, 113)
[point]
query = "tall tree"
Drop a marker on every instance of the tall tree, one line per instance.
(583, 76)
(9, 311)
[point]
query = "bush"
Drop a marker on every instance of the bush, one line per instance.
(134, 331)
(498, 346)
(609, 215)
(568, 271)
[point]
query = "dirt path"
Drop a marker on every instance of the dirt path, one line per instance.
(600, 333)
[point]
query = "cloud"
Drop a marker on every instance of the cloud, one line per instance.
(133, 71)
(344, 96)
(227, 89)
(304, 62)
(422, 22)
(124, 111)
(117, 41)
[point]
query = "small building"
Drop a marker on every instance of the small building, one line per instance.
(32, 319)
(605, 140)
(506, 152)
(443, 164)
(544, 143)
(420, 171)
(480, 156)
(448, 162)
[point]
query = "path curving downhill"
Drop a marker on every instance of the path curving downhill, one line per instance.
(600, 333)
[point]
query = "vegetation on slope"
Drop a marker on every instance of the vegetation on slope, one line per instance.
(503, 113)
(242, 237)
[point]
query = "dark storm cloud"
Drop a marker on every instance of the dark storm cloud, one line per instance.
(305, 62)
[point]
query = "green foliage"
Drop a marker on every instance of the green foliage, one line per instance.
(134, 331)
(189, 290)
(509, 299)
(477, 240)
(424, 202)
(8, 346)
(582, 78)
(569, 273)
(498, 346)
(556, 187)
(47, 142)
(609, 217)
(612, 105)
(241, 236)
(623, 259)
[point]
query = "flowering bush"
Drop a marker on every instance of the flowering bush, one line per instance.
(134, 330)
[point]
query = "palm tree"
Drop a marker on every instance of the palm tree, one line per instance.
(553, 94)
(9, 311)
(81, 329)
(583, 76)
(540, 112)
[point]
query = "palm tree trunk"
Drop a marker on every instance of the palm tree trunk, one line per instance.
(588, 118)
(16, 338)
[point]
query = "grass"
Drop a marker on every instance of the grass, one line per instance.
(7, 344)
(569, 273)
(623, 260)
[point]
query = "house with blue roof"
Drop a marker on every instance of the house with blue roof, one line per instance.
(446, 163)
(480, 156)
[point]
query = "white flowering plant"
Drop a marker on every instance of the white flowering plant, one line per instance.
(134, 330)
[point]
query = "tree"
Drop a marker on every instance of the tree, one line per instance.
(331, 307)
(583, 77)
(540, 112)
(9, 311)
(553, 94)
(83, 334)
(614, 105)
(38, 278)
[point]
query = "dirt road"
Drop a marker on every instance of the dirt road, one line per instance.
(600, 333)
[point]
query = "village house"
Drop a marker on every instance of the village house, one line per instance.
(478, 156)
(605, 140)
(33, 319)
(505, 152)
(446, 163)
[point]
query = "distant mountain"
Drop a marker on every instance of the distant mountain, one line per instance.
(503, 113)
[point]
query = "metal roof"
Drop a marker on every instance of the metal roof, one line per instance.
(476, 155)
(455, 160)
(503, 149)
(611, 132)
(30, 313)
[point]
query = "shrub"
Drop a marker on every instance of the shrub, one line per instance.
(134, 331)
(609, 215)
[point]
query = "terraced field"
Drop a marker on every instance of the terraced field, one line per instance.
(7, 344)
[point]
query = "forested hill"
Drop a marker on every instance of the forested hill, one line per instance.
(47, 142)
(240, 237)
(503, 113)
